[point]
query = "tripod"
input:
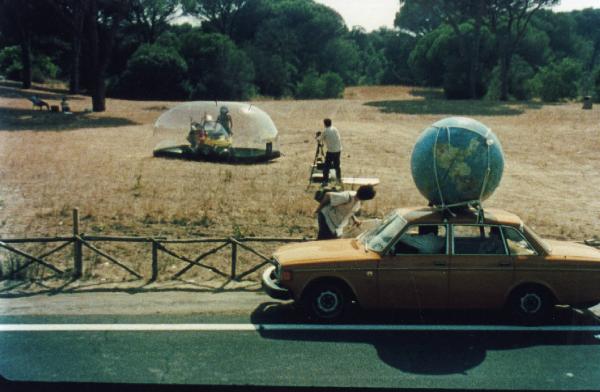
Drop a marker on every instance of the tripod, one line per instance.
(318, 163)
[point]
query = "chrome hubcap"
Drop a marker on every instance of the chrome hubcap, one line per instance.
(327, 301)
(531, 303)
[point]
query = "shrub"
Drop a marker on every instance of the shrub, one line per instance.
(557, 81)
(313, 86)
(153, 72)
(42, 67)
(310, 87)
(10, 62)
(333, 85)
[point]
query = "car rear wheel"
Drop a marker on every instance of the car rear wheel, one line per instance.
(326, 301)
(531, 304)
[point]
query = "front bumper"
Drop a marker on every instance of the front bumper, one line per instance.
(271, 287)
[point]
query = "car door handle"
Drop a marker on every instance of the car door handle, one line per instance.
(504, 263)
(440, 263)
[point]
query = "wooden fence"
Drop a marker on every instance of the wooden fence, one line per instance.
(159, 244)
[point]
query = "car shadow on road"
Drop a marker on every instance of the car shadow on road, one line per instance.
(432, 348)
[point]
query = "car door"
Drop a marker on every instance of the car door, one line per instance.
(481, 268)
(414, 272)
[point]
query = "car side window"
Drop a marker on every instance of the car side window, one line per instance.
(422, 239)
(478, 240)
(517, 244)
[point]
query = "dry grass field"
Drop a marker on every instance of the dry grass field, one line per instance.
(103, 164)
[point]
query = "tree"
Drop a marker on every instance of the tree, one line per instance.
(103, 20)
(586, 24)
(217, 68)
(372, 63)
(396, 47)
(346, 59)
(152, 17)
(415, 16)
(221, 15)
(273, 74)
(72, 14)
(508, 21)
(456, 14)
(19, 16)
(427, 59)
(289, 38)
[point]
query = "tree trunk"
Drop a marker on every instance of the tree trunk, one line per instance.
(505, 59)
(474, 57)
(99, 94)
(100, 50)
(98, 89)
(26, 61)
(76, 55)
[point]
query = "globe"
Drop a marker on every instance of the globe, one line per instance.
(457, 160)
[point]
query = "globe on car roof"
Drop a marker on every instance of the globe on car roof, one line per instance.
(457, 161)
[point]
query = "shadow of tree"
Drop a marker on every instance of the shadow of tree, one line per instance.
(453, 107)
(14, 119)
(432, 101)
(132, 286)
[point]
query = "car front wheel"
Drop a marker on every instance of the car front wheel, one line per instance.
(325, 301)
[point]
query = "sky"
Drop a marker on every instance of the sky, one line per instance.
(372, 14)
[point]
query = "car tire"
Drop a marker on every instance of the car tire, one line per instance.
(326, 301)
(531, 304)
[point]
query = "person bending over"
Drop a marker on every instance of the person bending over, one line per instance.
(337, 208)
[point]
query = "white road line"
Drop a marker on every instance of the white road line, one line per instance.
(289, 327)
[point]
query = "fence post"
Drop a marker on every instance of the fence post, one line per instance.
(77, 246)
(154, 261)
(233, 258)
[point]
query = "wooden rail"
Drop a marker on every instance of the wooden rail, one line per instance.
(158, 244)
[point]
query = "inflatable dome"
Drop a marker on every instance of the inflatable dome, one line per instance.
(233, 131)
(457, 161)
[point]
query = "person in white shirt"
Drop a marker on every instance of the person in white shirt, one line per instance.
(331, 138)
(337, 208)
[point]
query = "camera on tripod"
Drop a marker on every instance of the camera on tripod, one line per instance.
(316, 170)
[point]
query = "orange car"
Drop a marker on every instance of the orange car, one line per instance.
(420, 258)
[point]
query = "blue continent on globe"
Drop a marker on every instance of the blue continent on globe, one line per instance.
(458, 151)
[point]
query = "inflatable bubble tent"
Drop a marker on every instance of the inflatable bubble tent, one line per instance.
(457, 161)
(253, 135)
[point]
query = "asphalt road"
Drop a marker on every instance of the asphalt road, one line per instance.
(272, 345)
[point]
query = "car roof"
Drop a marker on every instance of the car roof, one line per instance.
(467, 215)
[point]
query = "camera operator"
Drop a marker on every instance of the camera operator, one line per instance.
(331, 138)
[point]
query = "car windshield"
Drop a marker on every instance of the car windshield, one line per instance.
(377, 238)
(529, 231)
